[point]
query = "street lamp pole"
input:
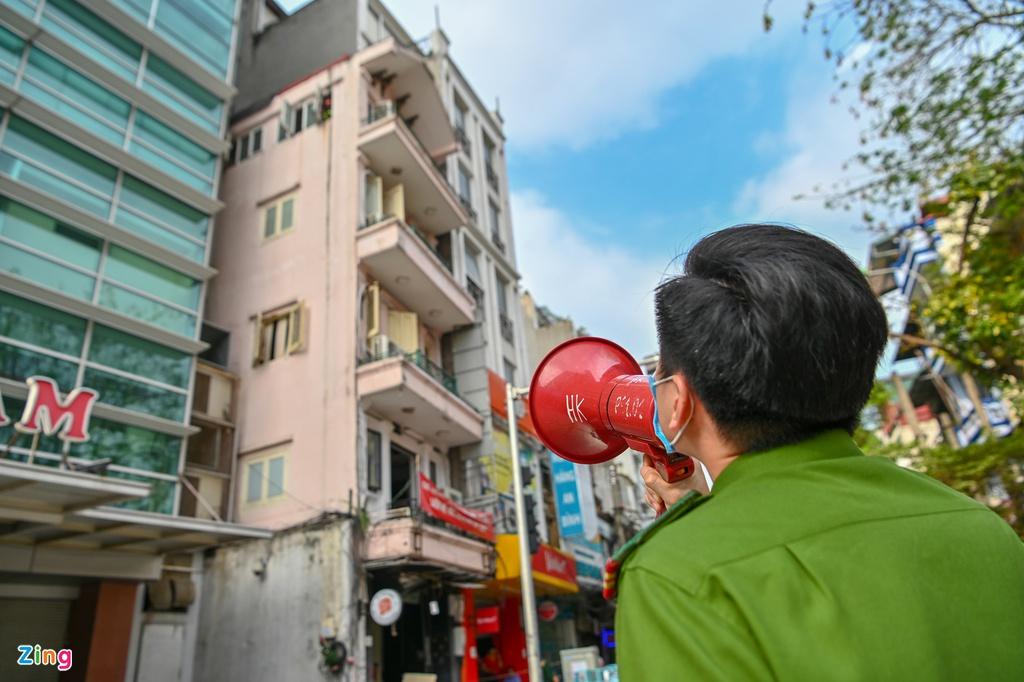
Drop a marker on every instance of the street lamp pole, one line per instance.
(525, 567)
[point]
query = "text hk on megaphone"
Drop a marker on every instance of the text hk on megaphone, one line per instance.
(590, 401)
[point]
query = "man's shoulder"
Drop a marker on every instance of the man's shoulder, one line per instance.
(777, 509)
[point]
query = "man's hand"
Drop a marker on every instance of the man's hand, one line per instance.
(661, 495)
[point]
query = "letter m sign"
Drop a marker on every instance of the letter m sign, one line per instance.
(45, 412)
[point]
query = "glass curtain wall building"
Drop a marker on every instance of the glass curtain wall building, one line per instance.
(111, 137)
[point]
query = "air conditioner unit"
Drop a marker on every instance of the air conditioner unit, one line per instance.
(379, 347)
(453, 494)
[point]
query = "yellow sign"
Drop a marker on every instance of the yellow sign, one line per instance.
(499, 465)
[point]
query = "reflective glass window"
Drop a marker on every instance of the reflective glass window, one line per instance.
(172, 152)
(93, 36)
(148, 276)
(11, 48)
(135, 395)
(129, 353)
(162, 493)
(147, 310)
(182, 94)
(40, 325)
(64, 91)
(28, 227)
(45, 272)
(14, 408)
(201, 30)
(130, 446)
(137, 8)
(19, 364)
(53, 165)
(163, 219)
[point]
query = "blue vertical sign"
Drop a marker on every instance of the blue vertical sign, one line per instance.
(567, 497)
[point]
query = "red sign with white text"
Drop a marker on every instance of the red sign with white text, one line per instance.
(487, 622)
(552, 562)
(473, 521)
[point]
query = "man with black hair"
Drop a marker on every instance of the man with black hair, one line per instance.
(807, 560)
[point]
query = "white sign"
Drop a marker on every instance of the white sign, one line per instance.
(386, 607)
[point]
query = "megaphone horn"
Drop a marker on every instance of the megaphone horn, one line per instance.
(590, 401)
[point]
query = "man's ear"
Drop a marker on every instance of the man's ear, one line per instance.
(682, 403)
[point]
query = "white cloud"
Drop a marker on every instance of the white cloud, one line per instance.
(820, 136)
(604, 288)
(576, 71)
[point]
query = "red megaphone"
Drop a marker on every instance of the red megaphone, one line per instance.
(590, 400)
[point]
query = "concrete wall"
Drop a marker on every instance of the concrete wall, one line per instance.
(284, 52)
(266, 601)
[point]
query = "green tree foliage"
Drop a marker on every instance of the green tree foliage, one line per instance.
(979, 309)
(941, 89)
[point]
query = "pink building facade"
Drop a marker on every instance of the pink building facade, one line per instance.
(366, 276)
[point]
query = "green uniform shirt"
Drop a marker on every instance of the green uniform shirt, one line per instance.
(814, 562)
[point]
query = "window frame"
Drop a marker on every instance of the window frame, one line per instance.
(277, 205)
(296, 317)
(264, 461)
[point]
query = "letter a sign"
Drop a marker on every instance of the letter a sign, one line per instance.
(46, 413)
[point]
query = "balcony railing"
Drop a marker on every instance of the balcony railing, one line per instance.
(507, 331)
(497, 241)
(463, 140)
(382, 348)
(379, 110)
(492, 177)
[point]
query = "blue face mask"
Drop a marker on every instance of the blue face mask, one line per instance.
(669, 445)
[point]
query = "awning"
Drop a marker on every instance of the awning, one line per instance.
(554, 571)
(51, 522)
(40, 494)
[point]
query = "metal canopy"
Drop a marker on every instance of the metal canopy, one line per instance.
(34, 493)
(51, 522)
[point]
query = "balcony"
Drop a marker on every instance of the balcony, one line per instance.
(492, 177)
(394, 153)
(405, 540)
(416, 394)
(404, 262)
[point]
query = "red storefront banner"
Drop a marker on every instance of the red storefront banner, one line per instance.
(487, 620)
(551, 562)
(473, 521)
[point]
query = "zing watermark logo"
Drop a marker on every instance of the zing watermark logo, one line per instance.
(36, 655)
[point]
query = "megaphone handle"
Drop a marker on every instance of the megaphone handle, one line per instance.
(673, 468)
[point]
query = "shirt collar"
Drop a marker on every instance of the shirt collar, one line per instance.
(828, 445)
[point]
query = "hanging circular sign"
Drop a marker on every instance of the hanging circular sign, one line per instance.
(547, 610)
(385, 607)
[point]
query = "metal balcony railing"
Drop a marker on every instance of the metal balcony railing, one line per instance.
(382, 348)
(379, 110)
(492, 177)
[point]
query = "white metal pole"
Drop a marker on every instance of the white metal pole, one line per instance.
(525, 568)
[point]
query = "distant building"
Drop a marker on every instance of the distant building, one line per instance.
(933, 397)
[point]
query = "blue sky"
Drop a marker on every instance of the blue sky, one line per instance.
(633, 131)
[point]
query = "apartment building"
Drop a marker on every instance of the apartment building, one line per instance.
(112, 117)
(367, 279)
